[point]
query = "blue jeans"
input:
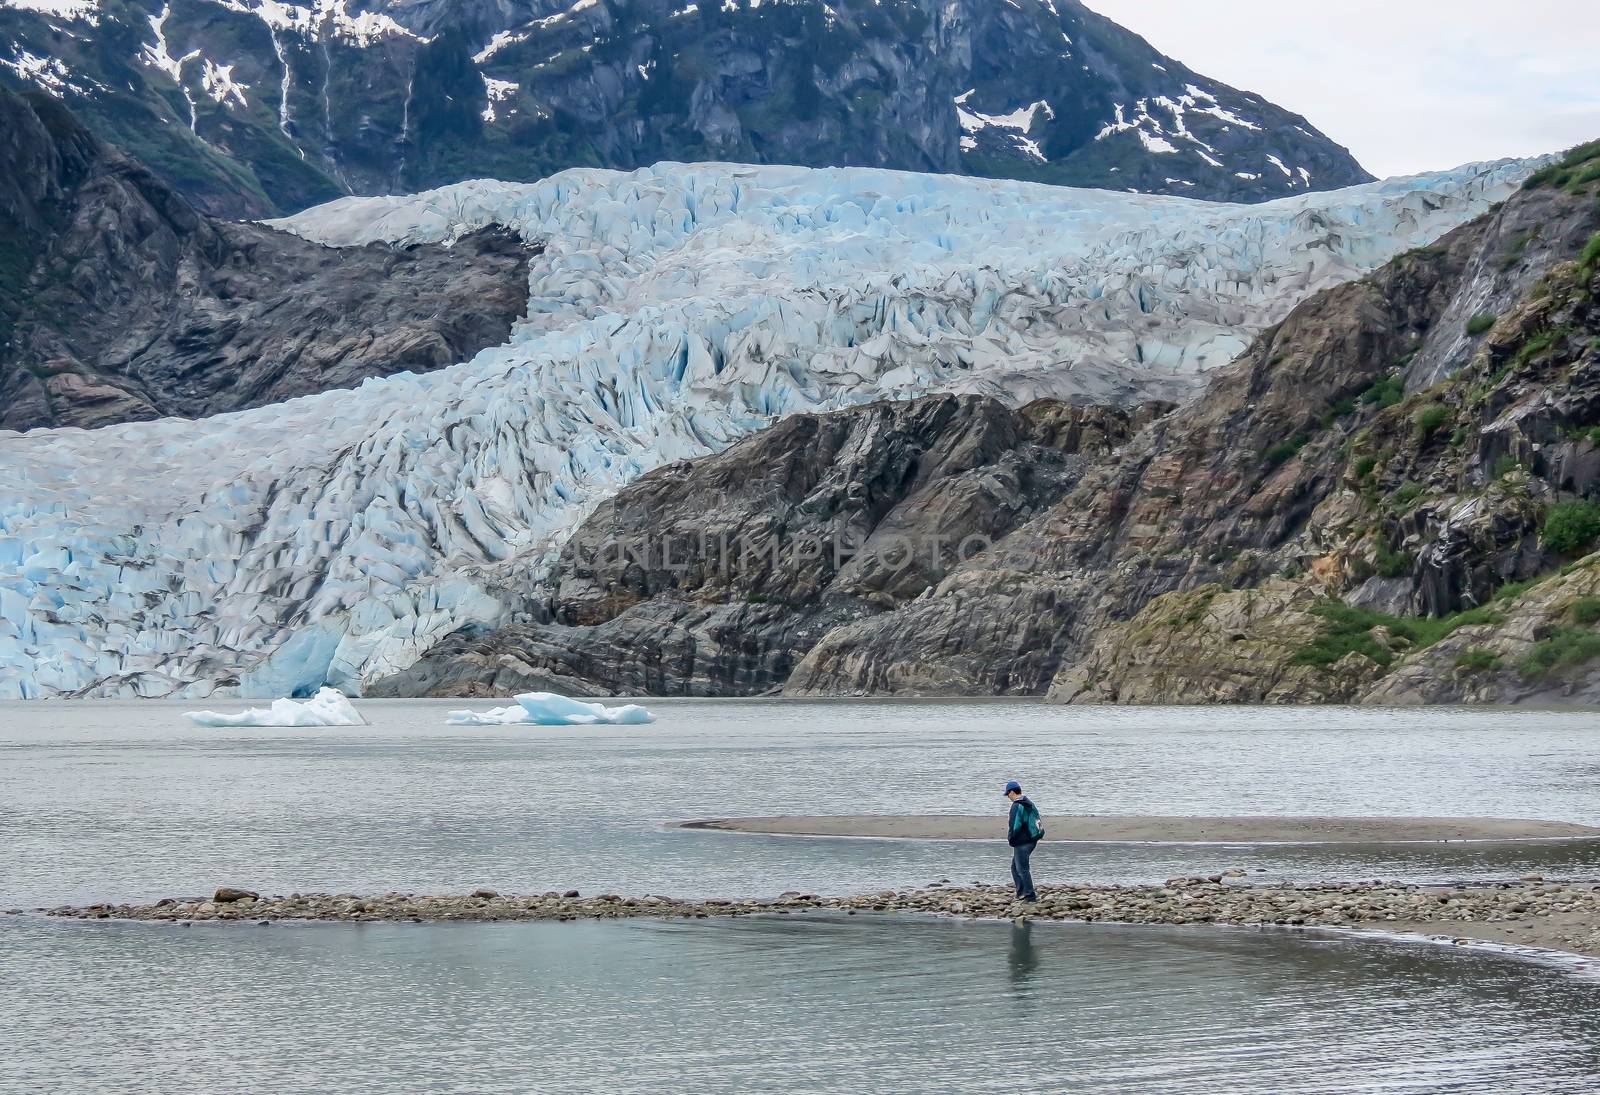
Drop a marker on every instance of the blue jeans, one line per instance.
(1020, 874)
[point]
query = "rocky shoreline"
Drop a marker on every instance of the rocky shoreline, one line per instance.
(1529, 912)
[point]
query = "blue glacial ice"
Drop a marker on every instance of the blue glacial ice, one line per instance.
(328, 707)
(550, 709)
(332, 539)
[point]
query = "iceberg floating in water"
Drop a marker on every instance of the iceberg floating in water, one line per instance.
(495, 716)
(550, 709)
(328, 707)
(333, 539)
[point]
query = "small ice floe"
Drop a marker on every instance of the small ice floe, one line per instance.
(549, 709)
(328, 707)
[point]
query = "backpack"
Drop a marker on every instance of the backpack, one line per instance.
(1032, 822)
(1036, 825)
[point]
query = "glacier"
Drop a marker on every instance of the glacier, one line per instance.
(332, 539)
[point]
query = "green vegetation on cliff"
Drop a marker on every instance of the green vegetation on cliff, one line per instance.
(1576, 169)
(1351, 630)
(1571, 528)
(1573, 643)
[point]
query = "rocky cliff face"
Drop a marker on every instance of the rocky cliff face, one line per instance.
(1433, 564)
(1386, 498)
(1308, 480)
(715, 576)
(249, 106)
(119, 301)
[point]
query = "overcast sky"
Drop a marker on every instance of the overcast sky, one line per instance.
(1407, 85)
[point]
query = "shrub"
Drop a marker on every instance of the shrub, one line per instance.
(1504, 466)
(1477, 660)
(1589, 259)
(1584, 611)
(1364, 466)
(1405, 494)
(1385, 393)
(1594, 437)
(1571, 527)
(1512, 590)
(1480, 323)
(1393, 564)
(1338, 411)
(1533, 347)
(1284, 450)
(1429, 417)
(1584, 176)
(1568, 646)
(1519, 247)
(1346, 629)
(1572, 170)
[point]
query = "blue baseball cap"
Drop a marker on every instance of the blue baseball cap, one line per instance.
(1014, 786)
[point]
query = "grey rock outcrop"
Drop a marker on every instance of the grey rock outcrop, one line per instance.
(119, 301)
(1290, 467)
(714, 577)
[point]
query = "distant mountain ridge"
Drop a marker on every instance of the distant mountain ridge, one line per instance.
(256, 106)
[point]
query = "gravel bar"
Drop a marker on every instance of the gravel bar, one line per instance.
(1554, 915)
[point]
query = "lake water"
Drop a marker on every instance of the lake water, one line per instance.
(856, 1004)
(115, 801)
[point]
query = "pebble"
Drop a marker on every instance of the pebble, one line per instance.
(1217, 898)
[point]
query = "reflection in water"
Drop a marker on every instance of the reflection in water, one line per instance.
(1022, 958)
(804, 1003)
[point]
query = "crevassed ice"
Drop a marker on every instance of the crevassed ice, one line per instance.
(333, 538)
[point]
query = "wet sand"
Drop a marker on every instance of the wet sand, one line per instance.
(1175, 830)
(1570, 931)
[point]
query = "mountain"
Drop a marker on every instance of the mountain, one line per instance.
(716, 576)
(254, 106)
(1392, 497)
(120, 301)
(1386, 498)
(337, 537)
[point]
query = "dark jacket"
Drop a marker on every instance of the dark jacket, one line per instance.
(1017, 832)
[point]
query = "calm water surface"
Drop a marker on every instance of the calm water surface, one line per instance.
(113, 801)
(126, 800)
(777, 1004)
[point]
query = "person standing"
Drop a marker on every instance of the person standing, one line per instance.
(1024, 829)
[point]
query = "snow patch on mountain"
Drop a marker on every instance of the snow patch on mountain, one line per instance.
(1160, 121)
(332, 539)
(498, 42)
(323, 19)
(43, 72)
(498, 91)
(1018, 122)
(220, 85)
(70, 10)
(158, 55)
